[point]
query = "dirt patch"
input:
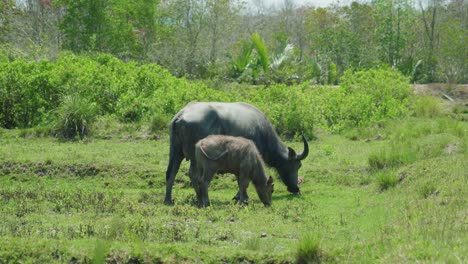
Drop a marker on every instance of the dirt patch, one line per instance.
(451, 92)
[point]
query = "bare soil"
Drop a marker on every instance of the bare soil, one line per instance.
(456, 93)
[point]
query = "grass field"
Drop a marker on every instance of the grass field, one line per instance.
(393, 193)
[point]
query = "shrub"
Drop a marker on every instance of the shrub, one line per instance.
(29, 91)
(74, 117)
(332, 74)
(290, 108)
(158, 122)
(26, 93)
(373, 95)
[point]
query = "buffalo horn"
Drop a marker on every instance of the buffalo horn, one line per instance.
(304, 154)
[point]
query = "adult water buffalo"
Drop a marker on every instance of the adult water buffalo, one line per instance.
(198, 120)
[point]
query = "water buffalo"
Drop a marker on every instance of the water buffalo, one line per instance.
(198, 120)
(236, 155)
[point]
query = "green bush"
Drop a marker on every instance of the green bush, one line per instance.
(290, 108)
(26, 94)
(30, 91)
(373, 95)
(332, 74)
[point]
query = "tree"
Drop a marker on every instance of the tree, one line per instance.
(429, 19)
(451, 53)
(5, 18)
(393, 19)
(84, 24)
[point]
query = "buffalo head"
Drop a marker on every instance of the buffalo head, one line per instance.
(289, 171)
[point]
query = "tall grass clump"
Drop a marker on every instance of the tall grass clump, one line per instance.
(386, 179)
(392, 157)
(426, 106)
(309, 250)
(74, 117)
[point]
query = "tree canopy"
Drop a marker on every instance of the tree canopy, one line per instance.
(424, 39)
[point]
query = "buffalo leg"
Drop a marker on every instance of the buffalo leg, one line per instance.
(204, 194)
(203, 185)
(172, 169)
(195, 175)
(243, 183)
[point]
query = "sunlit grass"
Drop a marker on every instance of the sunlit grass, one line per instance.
(80, 201)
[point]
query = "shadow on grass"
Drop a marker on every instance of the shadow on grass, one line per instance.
(286, 196)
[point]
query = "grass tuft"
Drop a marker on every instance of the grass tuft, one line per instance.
(386, 179)
(74, 117)
(392, 157)
(428, 189)
(309, 250)
(252, 243)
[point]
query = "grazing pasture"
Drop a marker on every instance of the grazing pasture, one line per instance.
(392, 193)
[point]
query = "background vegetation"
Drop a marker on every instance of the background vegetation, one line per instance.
(249, 42)
(68, 94)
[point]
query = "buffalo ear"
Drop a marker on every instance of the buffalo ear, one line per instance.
(270, 180)
(291, 154)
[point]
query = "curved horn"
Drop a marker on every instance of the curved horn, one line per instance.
(304, 154)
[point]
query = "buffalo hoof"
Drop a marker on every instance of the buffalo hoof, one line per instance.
(168, 202)
(203, 205)
(236, 197)
(243, 203)
(294, 190)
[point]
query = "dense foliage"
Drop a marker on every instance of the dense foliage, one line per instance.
(249, 41)
(73, 90)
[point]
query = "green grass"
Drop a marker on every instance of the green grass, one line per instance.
(86, 201)
(309, 250)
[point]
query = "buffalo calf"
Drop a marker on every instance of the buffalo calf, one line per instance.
(236, 155)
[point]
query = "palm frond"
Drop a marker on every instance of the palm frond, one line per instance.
(287, 53)
(261, 49)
